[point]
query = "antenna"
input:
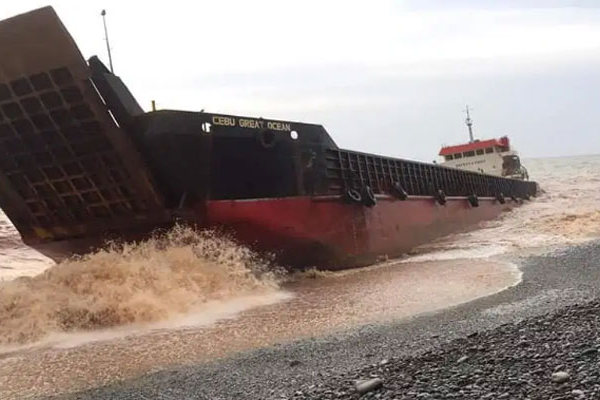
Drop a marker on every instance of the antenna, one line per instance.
(103, 13)
(469, 123)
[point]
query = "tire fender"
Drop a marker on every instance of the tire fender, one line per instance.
(352, 196)
(473, 200)
(500, 198)
(398, 191)
(440, 197)
(368, 196)
(266, 138)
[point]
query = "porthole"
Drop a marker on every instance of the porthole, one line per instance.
(294, 135)
(206, 127)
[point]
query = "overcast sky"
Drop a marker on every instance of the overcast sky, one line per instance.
(390, 77)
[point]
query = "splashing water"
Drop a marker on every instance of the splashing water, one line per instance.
(161, 278)
(16, 259)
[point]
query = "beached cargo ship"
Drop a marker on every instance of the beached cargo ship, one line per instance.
(80, 162)
(492, 156)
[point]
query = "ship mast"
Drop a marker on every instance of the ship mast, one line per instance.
(103, 13)
(469, 123)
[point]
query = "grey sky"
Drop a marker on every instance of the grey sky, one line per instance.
(390, 77)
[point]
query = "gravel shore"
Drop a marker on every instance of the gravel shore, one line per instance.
(503, 346)
(549, 357)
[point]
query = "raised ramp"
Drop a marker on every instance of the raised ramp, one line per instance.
(66, 169)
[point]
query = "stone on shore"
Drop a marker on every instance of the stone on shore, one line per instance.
(369, 385)
(560, 377)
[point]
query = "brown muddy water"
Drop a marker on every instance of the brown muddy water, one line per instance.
(192, 297)
(265, 316)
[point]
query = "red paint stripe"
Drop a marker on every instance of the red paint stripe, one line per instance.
(482, 144)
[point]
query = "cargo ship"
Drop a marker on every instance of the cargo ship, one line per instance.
(492, 156)
(81, 162)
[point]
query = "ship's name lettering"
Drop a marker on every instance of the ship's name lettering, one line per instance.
(251, 123)
(223, 121)
(470, 163)
(279, 126)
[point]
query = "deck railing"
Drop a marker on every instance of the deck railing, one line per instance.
(349, 169)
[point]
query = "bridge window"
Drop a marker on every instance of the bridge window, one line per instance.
(469, 153)
(479, 152)
(489, 150)
(458, 155)
(449, 157)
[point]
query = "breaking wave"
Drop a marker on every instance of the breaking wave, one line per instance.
(157, 279)
(572, 224)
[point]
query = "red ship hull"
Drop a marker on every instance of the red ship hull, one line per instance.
(326, 232)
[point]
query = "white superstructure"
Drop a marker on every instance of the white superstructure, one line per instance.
(493, 156)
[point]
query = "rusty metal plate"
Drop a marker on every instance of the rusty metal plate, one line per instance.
(66, 168)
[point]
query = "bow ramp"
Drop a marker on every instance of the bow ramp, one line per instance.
(67, 169)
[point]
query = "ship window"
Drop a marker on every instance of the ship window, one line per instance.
(449, 157)
(469, 153)
(294, 135)
(489, 150)
(479, 152)
(458, 155)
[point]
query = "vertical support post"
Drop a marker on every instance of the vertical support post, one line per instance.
(103, 13)
(469, 123)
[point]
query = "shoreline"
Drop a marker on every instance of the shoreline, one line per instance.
(550, 283)
(333, 303)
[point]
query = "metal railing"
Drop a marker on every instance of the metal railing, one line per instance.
(350, 169)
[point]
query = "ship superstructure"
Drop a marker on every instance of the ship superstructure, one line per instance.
(492, 156)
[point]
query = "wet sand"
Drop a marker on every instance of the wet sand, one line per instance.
(299, 368)
(333, 302)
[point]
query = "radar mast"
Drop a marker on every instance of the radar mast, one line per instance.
(469, 123)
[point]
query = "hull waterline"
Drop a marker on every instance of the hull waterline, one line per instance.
(324, 232)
